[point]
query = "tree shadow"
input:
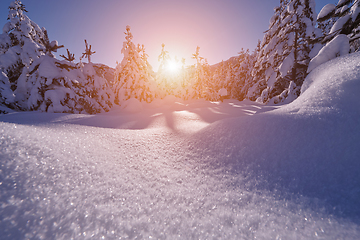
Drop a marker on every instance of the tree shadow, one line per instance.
(208, 112)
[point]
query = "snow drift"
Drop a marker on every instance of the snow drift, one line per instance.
(308, 147)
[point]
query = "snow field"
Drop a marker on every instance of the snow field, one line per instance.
(189, 170)
(95, 184)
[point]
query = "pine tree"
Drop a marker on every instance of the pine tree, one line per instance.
(183, 78)
(200, 79)
(51, 85)
(61, 86)
(20, 43)
(268, 59)
(229, 76)
(98, 92)
(47, 88)
(344, 18)
(219, 75)
(341, 34)
(162, 76)
(340, 19)
(242, 74)
(131, 78)
(285, 52)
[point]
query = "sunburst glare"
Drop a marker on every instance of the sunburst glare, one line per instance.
(173, 66)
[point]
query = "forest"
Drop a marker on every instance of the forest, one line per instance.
(296, 42)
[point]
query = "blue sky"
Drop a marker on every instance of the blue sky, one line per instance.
(219, 28)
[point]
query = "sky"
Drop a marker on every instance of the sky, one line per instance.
(220, 28)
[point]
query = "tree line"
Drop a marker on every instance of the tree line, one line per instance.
(296, 42)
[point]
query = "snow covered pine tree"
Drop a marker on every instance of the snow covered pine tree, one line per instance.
(238, 75)
(96, 90)
(131, 77)
(343, 18)
(162, 76)
(20, 45)
(281, 65)
(341, 35)
(52, 85)
(201, 77)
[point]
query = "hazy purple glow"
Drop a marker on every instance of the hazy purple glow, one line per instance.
(220, 28)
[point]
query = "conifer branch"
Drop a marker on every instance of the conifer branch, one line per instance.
(87, 52)
(70, 57)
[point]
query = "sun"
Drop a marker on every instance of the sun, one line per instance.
(173, 66)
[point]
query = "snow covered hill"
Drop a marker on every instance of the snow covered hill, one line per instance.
(190, 170)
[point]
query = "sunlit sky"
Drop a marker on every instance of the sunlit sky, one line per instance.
(219, 27)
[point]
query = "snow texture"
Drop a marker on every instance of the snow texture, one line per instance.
(190, 170)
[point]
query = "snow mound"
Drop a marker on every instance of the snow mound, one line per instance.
(334, 85)
(308, 147)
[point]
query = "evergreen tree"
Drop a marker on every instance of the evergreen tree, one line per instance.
(148, 72)
(61, 86)
(268, 59)
(200, 79)
(144, 57)
(234, 75)
(20, 43)
(285, 52)
(242, 74)
(218, 76)
(184, 89)
(98, 92)
(51, 85)
(131, 79)
(341, 34)
(48, 88)
(340, 19)
(162, 76)
(345, 19)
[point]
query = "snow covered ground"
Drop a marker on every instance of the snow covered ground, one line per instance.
(190, 170)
